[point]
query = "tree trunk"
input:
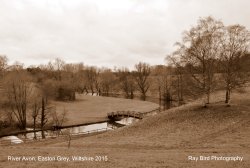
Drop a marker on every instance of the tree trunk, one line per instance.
(92, 91)
(160, 97)
(181, 89)
(43, 117)
(178, 89)
(208, 97)
(43, 134)
(131, 94)
(227, 101)
(143, 96)
(34, 127)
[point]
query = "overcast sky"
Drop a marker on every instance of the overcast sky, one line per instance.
(105, 32)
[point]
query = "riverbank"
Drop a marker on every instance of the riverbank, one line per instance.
(164, 140)
(89, 110)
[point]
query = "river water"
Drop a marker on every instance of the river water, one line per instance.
(74, 130)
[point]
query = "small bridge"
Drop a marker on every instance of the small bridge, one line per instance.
(122, 114)
(119, 114)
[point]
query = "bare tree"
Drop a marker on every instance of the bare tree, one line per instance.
(107, 81)
(58, 119)
(179, 72)
(3, 64)
(75, 76)
(141, 76)
(201, 47)
(36, 107)
(3, 67)
(56, 67)
(16, 66)
(80, 80)
(126, 82)
(19, 91)
(236, 40)
(175, 61)
(163, 76)
(58, 64)
(46, 113)
(91, 76)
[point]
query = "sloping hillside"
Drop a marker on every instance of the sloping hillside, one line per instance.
(164, 140)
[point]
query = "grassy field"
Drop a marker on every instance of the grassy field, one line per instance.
(95, 108)
(163, 140)
(90, 109)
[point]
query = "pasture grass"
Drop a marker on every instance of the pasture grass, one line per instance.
(163, 140)
(95, 108)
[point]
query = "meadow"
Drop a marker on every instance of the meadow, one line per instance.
(89, 109)
(163, 140)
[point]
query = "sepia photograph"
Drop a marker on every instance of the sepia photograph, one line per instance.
(124, 84)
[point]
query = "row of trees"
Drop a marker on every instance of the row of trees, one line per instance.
(211, 53)
(27, 91)
(60, 77)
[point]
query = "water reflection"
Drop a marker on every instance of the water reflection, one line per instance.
(90, 94)
(127, 120)
(87, 128)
